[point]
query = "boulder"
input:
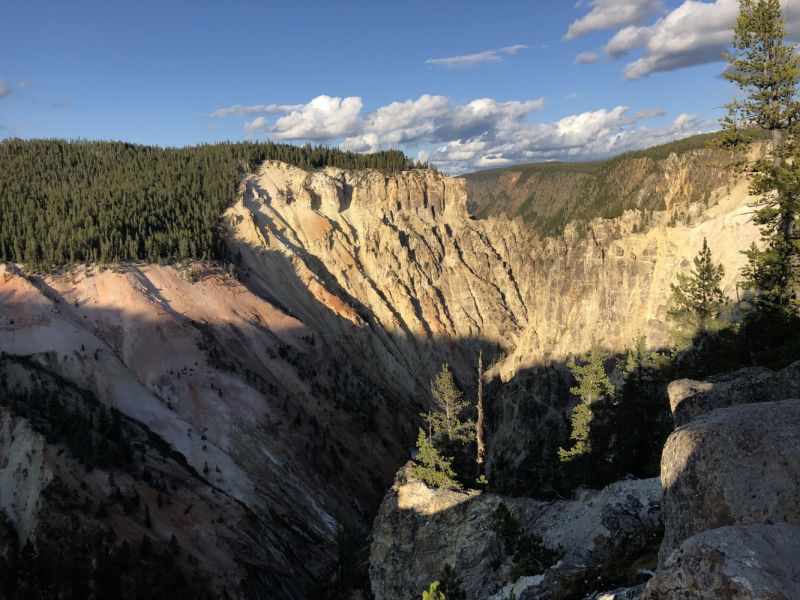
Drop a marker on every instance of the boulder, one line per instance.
(735, 563)
(732, 466)
(690, 399)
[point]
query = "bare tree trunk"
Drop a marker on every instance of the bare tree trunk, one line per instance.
(479, 426)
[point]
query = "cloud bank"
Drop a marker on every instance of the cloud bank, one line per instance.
(464, 137)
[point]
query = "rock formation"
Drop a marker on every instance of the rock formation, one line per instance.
(737, 465)
(418, 529)
(735, 562)
(690, 399)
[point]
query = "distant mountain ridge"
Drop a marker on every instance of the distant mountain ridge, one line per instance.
(547, 196)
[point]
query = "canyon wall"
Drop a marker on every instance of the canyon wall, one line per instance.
(295, 379)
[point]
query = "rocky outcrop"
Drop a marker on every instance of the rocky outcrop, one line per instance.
(690, 399)
(735, 563)
(738, 465)
(418, 529)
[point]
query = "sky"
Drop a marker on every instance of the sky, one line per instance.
(465, 85)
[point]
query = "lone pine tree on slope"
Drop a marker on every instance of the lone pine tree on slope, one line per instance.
(698, 300)
(593, 385)
(444, 429)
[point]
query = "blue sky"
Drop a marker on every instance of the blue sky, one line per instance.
(465, 84)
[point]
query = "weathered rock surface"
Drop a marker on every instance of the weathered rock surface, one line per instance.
(690, 399)
(395, 265)
(418, 529)
(734, 563)
(732, 466)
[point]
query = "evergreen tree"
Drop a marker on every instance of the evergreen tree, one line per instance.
(593, 383)
(698, 300)
(593, 386)
(448, 398)
(147, 522)
(434, 469)
(768, 70)
(449, 586)
(434, 593)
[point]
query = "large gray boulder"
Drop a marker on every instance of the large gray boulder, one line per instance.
(734, 563)
(689, 399)
(733, 466)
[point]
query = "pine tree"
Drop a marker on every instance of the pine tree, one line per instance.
(593, 383)
(147, 522)
(448, 399)
(593, 386)
(434, 469)
(768, 70)
(449, 586)
(698, 300)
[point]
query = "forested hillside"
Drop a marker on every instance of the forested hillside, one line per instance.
(549, 195)
(65, 202)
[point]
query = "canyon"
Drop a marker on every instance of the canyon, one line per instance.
(292, 383)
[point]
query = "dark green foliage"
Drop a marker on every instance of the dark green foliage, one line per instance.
(698, 300)
(101, 202)
(530, 555)
(434, 468)
(449, 586)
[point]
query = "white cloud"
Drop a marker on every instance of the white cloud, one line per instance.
(588, 136)
(694, 33)
(471, 136)
(609, 14)
(586, 58)
(470, 60)
(253, 111)
(64, 102)
(5, 89)
(213, 128)
(323, 118)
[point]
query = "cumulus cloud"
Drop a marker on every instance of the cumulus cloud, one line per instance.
(694, 33)
(587, 136)
(480, 134)
(609, 14)
(253, 111)
(323, 118)
(586, 58)
(5, 89)
(470, 60)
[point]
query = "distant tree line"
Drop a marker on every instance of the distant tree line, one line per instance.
(67, 202)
